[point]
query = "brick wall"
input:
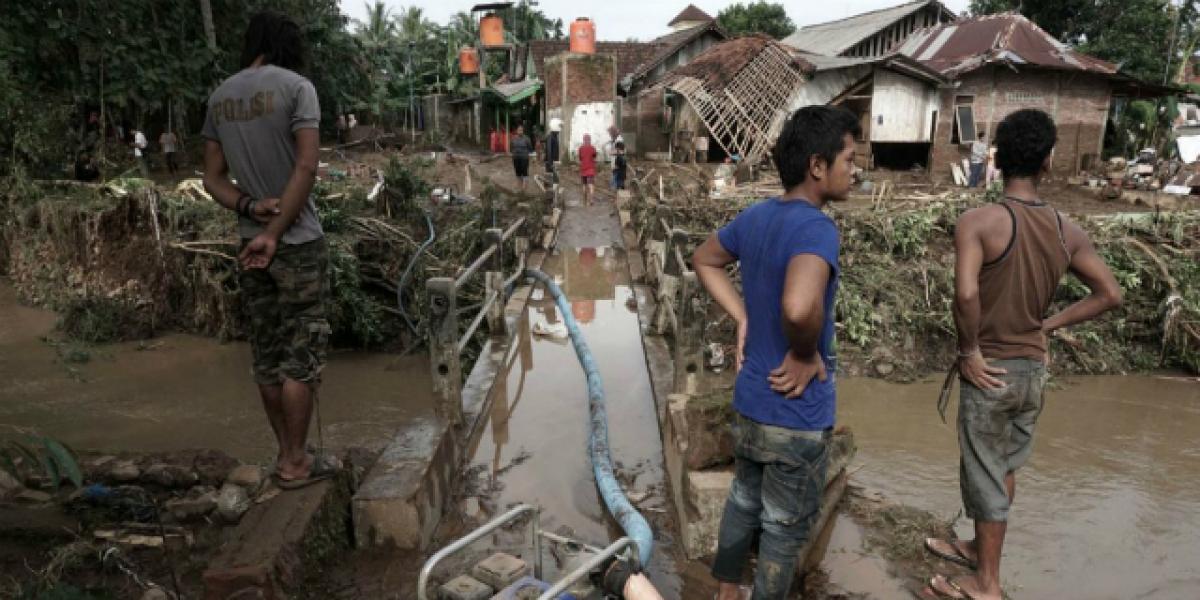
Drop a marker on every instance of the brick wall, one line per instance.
(553, 81)
(1078, 102)
(590, 78)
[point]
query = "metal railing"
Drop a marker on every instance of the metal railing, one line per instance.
(502, 262)
(680, 306)
(602, 555)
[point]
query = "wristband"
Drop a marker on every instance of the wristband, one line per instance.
(243, 205)
(973, 352)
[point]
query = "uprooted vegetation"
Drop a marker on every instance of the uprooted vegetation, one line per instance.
(127, 260)
(897, 288)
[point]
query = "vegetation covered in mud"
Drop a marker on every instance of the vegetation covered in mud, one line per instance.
(127, 260)
(894, 304)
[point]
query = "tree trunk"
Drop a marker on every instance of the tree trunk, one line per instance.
(209, 31)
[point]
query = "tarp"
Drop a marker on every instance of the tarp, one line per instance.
(1189, 148)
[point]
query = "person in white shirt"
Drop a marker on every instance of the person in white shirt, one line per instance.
(139, 144)
(167, 142)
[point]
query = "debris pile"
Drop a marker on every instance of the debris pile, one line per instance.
(894, 306)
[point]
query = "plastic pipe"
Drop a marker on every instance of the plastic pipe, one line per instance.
(632, 522)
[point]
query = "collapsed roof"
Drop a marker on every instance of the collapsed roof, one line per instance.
(737, 89)
(1008, 38)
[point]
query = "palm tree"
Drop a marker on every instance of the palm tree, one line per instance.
(379, 30)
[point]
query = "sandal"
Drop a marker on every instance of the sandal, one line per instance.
(324, 467)
(958, 557)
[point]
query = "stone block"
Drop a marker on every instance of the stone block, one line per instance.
(704, 503)
(500, 570)
(249, 477)
(278, 542)
(407, 490)
(464, 587)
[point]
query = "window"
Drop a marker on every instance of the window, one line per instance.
(963, 120)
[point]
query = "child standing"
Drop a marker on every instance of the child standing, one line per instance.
(620, 166)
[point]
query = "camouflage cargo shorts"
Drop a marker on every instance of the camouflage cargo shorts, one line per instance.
(286, 303)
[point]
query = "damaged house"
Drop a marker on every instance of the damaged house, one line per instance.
(637, 65)
(998, 64)
(921, 82)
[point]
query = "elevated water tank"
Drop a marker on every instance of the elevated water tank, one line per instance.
(468, 61)
(583, 36)
(491, 30)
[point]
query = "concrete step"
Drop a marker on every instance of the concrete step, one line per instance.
(281, 540)
(404, 495)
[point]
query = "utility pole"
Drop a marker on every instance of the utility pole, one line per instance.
(412, 116)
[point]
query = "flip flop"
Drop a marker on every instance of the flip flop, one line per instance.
(958, 558)
(937, 583)
(323, 467)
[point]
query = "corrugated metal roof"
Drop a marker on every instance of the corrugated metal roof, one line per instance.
(894, 61)
(515, 92)
(963, 46)
(835, 37)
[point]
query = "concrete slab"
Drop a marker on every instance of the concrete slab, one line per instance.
(500, 570)
(279, 541)
(404, 495)
(465, 587)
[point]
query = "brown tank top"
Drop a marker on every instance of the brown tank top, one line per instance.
(1016, 289)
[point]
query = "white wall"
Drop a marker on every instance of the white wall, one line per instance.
(901, 108)
(826, 85)
(594, 118)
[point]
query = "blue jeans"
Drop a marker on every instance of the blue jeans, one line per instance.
(780, 475)
(976, 175)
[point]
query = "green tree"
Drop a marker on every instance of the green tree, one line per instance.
(756, 17)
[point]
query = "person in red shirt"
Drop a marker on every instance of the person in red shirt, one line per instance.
(587, 168)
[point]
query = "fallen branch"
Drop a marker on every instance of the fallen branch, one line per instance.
(181, 246)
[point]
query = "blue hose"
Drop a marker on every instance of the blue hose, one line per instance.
(631, 520)
(408, 271)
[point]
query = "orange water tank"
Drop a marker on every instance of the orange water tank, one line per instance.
(583, 36)
(491, 30)
(468, 61)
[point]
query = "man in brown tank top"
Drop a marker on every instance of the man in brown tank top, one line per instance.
(1010, 257)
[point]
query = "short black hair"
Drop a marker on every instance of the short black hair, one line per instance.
(620, 145)
(1023, 141)
(811, 131)
(277, 38)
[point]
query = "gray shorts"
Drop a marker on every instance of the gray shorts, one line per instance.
(995, 435)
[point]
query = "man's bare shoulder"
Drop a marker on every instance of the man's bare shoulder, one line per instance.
(1073, 233)
(983, 217)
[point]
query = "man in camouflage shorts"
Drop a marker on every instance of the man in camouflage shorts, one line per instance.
(262, 124)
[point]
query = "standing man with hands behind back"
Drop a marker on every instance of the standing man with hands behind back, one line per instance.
(1010, 258)
(784, 395)
(263, 124)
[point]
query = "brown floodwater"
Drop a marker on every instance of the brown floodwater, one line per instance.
(1107, 507)
(180, 392)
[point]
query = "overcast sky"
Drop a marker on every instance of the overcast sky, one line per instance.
(617, 20)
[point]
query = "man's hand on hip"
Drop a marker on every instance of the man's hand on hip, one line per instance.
(792, 376)
(978, 372)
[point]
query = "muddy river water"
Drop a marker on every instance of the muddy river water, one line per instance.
(181, 391)
(1108, 507)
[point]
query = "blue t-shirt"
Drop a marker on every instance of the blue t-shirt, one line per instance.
(764, 238)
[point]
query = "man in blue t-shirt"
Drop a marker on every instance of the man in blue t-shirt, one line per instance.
(784, 395)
